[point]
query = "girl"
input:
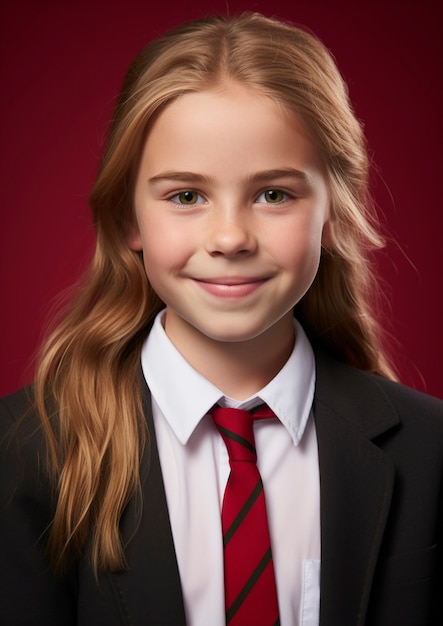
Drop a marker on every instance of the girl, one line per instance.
(233, 227)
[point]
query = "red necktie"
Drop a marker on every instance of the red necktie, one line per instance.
(250, 592)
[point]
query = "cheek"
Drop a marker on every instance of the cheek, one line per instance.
(299, 248)
(165, 247)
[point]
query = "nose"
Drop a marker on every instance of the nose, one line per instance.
(231, 233)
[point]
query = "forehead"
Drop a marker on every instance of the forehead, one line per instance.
(230, 95)
(230, 122)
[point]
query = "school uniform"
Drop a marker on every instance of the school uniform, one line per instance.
(380, 460)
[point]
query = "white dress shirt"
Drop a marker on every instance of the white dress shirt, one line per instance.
(195, 468)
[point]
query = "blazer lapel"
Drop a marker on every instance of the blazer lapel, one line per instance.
(149, 592)
(356, 483)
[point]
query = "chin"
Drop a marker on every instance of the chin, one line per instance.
(234, 333)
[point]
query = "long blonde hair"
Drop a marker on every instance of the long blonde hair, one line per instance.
(89, 369)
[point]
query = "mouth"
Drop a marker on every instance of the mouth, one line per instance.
(231, 286)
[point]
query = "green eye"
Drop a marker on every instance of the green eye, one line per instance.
(187, 197)
(272, 196)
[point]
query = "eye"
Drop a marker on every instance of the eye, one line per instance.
(272, 196)
(187, 198)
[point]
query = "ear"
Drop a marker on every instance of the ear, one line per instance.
(134, 238)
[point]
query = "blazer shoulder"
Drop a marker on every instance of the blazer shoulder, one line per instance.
(373, 400)
(407, 399)
(16, 404)
(19, 420)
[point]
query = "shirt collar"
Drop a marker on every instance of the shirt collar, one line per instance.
(184, 396)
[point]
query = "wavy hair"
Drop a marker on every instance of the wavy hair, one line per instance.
(90, 364)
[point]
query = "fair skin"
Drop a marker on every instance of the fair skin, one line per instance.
(231, 206)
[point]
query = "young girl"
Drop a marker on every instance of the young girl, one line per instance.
(230, 272)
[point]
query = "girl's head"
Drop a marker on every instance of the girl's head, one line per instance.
(294, 69)
(272, 58)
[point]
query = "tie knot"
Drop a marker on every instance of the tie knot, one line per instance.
(236, 428)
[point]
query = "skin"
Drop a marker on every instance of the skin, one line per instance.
(231, 206)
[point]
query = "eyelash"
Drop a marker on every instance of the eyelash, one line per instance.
(175, 196)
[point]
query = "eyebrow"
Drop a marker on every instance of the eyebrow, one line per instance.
(270, 175)
(191, 177)
(258, 177)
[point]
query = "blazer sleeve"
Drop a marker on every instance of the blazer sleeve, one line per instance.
(29, 592)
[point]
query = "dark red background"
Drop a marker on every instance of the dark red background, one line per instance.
(62, 63)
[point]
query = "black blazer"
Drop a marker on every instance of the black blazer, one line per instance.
(381, 468)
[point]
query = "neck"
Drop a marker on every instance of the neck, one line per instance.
(238, 368)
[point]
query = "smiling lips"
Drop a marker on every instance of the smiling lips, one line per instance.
(230, 287)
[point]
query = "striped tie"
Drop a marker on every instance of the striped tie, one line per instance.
(250, 592)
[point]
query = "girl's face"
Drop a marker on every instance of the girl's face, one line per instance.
(231, 204)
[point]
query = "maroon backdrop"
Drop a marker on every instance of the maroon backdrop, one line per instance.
(61, 66)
